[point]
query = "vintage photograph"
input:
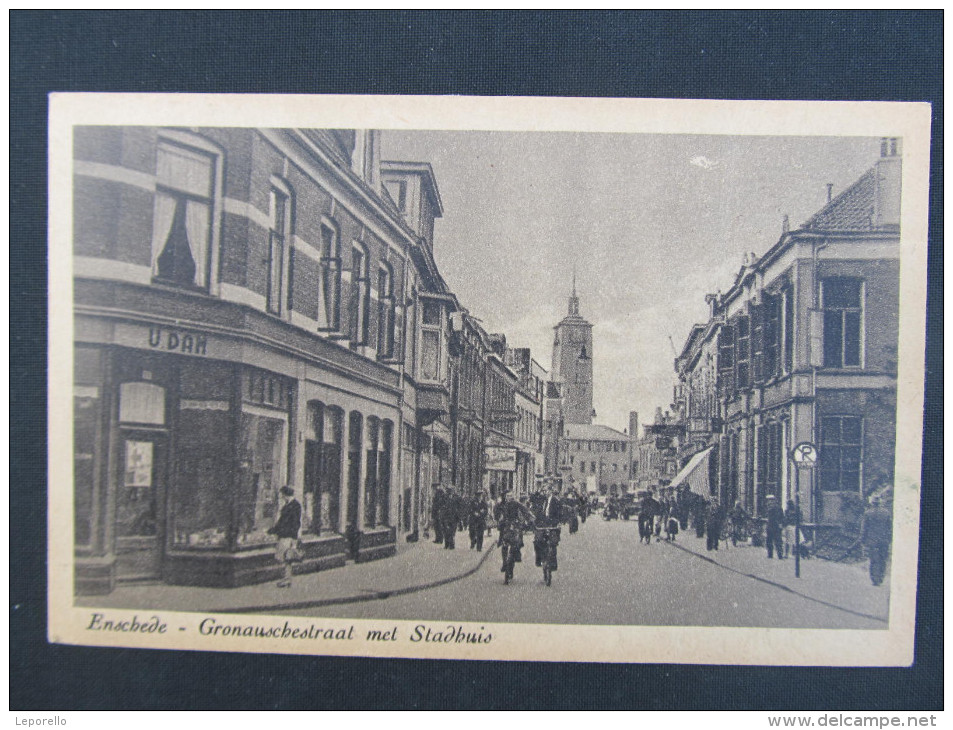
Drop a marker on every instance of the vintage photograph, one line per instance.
(473, 378)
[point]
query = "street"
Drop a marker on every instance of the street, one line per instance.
(606, 576)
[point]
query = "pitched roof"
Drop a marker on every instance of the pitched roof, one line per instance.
(852, 210)
(593, 432)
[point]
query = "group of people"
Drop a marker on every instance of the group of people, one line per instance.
(451, 512)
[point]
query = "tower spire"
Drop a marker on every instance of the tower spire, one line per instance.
(574, 299)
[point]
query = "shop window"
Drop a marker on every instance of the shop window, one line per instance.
(278, 231)
(204, 487)
(142, 403)
(182, 216)
(385, 459)
(354, 441)
(330, 279)
(841, 454)
(360, 300)
(370, 471)
(322, 470)
(263, 455)
(86, 415)
(843, 321)
(386, 313)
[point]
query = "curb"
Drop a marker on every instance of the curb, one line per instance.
(780, 586)
(362, 597)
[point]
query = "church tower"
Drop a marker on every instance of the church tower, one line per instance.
(572, 363)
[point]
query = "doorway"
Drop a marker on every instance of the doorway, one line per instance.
(140, 502)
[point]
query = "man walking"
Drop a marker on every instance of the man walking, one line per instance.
(775, 525)
(876, 531)
(716, 520)
(479, 510)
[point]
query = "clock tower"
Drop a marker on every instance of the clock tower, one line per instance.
(572, 363)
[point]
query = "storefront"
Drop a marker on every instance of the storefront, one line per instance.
(179, 457)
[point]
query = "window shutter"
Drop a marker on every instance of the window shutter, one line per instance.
(757, 342)
(726, 344)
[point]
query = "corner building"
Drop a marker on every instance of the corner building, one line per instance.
(247, 311)
(803, 348)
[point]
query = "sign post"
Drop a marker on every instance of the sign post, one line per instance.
(804, 456)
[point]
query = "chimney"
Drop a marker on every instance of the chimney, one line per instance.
(786, 222)
(633, 424)
(886, 212)
(658, 415)
(830, 191)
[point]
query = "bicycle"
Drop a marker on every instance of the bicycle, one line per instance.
(511, 540)
(546, 540)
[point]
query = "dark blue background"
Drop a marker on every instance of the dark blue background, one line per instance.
(738, 55)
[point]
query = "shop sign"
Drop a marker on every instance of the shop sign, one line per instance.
(177, 341)
(500, 458)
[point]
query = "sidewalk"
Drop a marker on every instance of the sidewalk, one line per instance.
(416, 566)
(846, 586)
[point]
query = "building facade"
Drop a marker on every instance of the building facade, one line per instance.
(253, 308)
(803, 348)
(598, 459)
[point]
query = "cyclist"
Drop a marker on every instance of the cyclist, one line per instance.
(511, 517)
(546, 534)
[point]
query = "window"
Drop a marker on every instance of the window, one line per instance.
(769, 462)
(756, 323)
(360, 304)
(431, 343)
(772, 336)
(370, 472)
(277, 238)
(843, 320)
(182, 218)
(788, 329)
(726, 360)
(386, 313)
(841, 453)
(330, 279)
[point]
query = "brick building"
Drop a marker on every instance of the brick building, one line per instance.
(803, 347)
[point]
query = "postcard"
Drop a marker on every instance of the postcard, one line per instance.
(602, 380)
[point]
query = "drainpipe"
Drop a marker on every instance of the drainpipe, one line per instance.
(816, 248)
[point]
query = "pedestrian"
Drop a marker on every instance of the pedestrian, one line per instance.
(775, 523)
(699, 514)
(478, 512)
(671, 524)
(569, 509)
(648, 508)
(739, 524)
(714, 525)
(436, 511)
(792, 518)
(876, 531)
(286, 529)
(449, 518)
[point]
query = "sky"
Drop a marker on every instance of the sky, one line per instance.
(651, 223)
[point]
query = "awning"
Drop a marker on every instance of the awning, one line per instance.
(695, 474)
